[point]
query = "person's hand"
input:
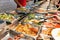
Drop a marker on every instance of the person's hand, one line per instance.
(13, 12)
(27, 0)
(58, 4)
(20, 5)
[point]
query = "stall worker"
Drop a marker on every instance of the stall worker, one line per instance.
(56, 2)
(58, 5)
(20, 3)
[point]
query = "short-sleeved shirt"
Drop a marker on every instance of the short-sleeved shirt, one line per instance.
(22, 2)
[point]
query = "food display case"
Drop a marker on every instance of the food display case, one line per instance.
(30, 24)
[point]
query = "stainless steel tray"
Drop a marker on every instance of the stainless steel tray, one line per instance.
(6, 18)
(27, 34)
(34, 37)
(11, 34)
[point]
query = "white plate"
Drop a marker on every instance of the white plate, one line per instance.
(55, 33)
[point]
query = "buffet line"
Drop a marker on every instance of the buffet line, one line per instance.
(33, 24)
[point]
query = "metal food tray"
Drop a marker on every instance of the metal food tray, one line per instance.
(40, 17)
(36, 8)
(15, 16)
(25, 33)
(19, 11)
(42, 12)
(47, 11)
(45, 35)
(11, 34)
(39, 28)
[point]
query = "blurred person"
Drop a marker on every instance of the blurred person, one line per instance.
(45, 4)
(30, 2)
(58, 5)
(20, 3)
(56, 2)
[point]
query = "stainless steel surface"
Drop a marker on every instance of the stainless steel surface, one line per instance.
(11, 34)
(3, 35)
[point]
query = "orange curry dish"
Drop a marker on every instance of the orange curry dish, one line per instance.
(27, 29)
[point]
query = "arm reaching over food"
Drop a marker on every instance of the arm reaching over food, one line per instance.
(18, 3)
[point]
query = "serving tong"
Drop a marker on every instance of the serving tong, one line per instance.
(48, 7)
(39, 31)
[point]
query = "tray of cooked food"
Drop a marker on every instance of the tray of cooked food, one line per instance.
(49, 26)
(32, 23)
(40, 10)
(26, 27)
(48, 31)
(12, 35)
(22, 10)
(44, 11)
(34, 18)
(9, 17)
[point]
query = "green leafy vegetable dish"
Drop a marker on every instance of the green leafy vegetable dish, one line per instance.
(5, 16)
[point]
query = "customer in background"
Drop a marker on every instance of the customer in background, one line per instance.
(56, 2)
(58, 5)
(22, 3)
